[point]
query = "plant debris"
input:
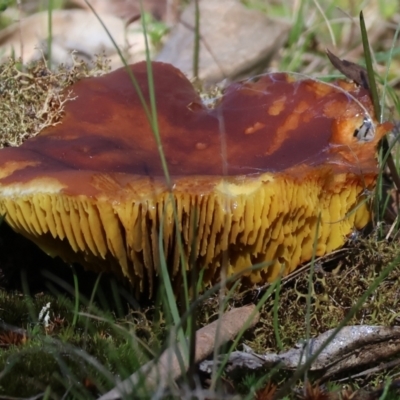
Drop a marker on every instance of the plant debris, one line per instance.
(352, 347)
(352, 71)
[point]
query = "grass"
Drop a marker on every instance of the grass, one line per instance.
(90, 340)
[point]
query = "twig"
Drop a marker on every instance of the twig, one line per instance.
(370, 371)
(353, 346)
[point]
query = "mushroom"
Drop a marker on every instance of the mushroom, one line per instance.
(266, 173)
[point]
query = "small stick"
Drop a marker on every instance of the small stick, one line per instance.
(154, 375)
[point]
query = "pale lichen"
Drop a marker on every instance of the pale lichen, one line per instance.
(32, 97)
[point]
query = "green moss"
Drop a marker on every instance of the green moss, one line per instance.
(335, 289)
(35, 355)
(119, 346)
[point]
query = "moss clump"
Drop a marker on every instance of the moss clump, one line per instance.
(53, 353)
(336, 286)
(32, 97)
(57, 356)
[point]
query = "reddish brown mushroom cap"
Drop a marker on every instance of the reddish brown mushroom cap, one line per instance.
(106, 129)
(259, 168)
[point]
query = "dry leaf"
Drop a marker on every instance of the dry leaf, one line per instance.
(353, 71)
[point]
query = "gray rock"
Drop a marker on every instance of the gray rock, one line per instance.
(234, 40)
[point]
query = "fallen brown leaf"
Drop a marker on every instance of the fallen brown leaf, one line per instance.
(353, 71)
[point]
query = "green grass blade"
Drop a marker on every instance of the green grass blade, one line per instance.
(156, 132)
(151, 115)
(262, 301)
(298, 25)
(210, 292)
(153, 105)
(370, 69)
(388, 64)
(278, 339)
(77, 297)
(90, 306)
(128, 70)
(310, 280)
(375, 98)
(166, 281)
(50, 32)
(196, 47)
